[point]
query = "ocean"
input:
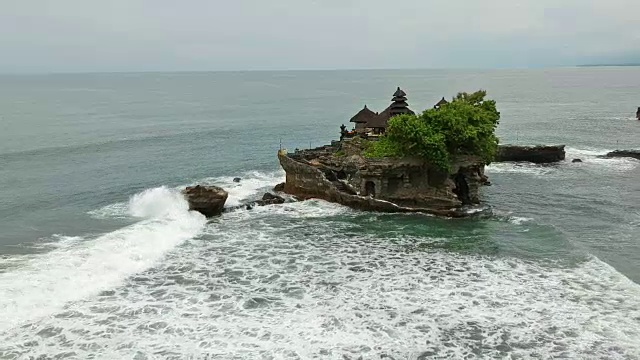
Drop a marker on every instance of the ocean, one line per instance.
(101, 259)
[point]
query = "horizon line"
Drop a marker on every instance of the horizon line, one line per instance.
(89, 72)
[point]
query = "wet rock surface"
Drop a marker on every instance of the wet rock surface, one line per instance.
(207, 200)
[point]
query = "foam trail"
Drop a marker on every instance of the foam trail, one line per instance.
(46, 283)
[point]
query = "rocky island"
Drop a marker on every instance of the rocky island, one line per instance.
(397, 161)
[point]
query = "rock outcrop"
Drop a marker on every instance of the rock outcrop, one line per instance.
(207, 200)
(625, 153)
(540, 154)
(279, 187)
(386, 185)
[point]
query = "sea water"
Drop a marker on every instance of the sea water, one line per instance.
(100, 257)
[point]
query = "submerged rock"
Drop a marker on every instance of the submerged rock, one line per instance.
(625, 153)
(237, 180)
(207, 200)
(267, 199)
(270, 199)
(540, 154)
(576, 161)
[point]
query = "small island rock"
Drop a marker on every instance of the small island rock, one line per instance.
(279, 187)
(539, 154)
(236, 180)
(576, 161)
(207, 200)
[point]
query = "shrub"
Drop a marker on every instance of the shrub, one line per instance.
(464, 126)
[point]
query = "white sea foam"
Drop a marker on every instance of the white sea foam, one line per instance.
(249, 186)
(46, 283)
(117, 210)
(58, 241)
(523, 168)
(517, 220)
(592, 159)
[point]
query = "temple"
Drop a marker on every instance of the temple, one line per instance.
(370, 124)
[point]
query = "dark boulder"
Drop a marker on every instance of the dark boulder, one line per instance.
(625, 153)
(536, 154)
(279, 187)
(576, 161)
(270, 199)
(207, 200)
(237, 180)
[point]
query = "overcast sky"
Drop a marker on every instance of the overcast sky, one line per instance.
(133, 35)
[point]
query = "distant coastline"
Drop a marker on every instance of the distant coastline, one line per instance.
(609, 65)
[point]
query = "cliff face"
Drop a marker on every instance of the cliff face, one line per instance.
(389, 185)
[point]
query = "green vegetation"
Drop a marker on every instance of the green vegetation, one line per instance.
(465, 126)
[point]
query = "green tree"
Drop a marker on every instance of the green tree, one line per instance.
(464, 126)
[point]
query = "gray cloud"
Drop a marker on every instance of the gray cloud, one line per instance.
(129, 35)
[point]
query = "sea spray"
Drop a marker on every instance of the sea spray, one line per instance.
(158, 203)
(46, 283)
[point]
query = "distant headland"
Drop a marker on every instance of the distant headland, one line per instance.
(611, 65)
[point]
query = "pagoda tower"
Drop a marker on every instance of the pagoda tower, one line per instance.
(399, 104)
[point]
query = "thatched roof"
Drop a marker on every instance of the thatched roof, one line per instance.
(363, 116)
(383, 118)
(380, 121)
(441, 102)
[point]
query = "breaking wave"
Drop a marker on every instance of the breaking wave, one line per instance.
(82, 267)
